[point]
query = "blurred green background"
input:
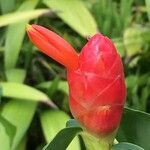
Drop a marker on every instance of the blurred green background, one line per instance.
(33, 87)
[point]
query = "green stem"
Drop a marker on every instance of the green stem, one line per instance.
(102, 143)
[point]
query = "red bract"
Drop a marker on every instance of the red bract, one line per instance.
(96, 79)
(53, 45)
(97, 88)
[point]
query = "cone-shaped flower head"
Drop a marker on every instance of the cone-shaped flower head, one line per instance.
(97, 88)
(96, 79)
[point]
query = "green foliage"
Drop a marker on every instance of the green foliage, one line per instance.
(127, 146)
(20, 114)
(52, 122)
(132, 123)
(7, 5)
(73, 13)
(21, 16)
(24, 92)
(111, 20)
(17, 31)
(8, 132)
(33, 88)
(68, 133)
(135, 128)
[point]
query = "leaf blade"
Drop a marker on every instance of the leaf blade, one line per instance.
(16, 17)
(24, 92)
(126, 146)
(17, 31)
(134, 123)
(68, 133)
(20, 114)
(52, 122)
(75, 14)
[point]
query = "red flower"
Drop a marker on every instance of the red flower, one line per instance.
(96, 79)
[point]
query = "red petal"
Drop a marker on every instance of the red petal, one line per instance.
(53, 45)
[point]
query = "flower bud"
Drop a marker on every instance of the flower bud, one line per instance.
(96, 80)
(53, 45)
(97, 87)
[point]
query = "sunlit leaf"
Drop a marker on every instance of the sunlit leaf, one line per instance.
(4, 138)
(133, 40)
(20, 114)
(21, 16)
(52, 122)
(16, 75)
(75, 14)
(68, 133)
(9, 130)
(15, 34)
(24, 92)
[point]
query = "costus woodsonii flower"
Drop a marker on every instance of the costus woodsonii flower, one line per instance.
(95, 76)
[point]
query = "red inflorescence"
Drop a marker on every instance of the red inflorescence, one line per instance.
(96, 79)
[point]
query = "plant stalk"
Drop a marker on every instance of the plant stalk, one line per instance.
(101, 143)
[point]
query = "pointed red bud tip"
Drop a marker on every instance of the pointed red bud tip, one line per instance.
(97, 88)
(53, 45)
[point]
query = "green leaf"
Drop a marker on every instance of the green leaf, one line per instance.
(20, 114)
(4, 138)
(52, 122)
(59, 142)
(62, 85)
(24, 92)
(91, 142)
(53, 87)
(119, 45)
(15, 34)
(10, 130)
(75, 14)
(133, 40)
(148, 7)
(72, 123)
(16, 75)
(17, 17)
(7, 5)
(134, 128)
(22, 144)
(126, 146)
